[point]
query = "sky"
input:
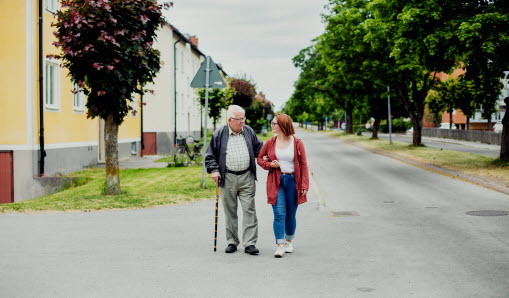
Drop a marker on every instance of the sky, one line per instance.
(257, 39)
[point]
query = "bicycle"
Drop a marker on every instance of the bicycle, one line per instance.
(184, 155)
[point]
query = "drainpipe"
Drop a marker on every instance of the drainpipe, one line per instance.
(141, 131)
(175, 88)
(42, 152)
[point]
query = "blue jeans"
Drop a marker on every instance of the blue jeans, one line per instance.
(285, 209)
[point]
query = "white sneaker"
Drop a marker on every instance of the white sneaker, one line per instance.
(280, 251)
(288, 247)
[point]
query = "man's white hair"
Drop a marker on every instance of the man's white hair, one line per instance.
(235, 109)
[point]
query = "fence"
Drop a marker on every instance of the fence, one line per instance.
(488, 137)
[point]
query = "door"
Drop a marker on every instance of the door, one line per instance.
(149, 143)
(6, 178)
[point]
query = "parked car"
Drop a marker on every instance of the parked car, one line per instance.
(498, 127)
(410, 131)
(446, 126)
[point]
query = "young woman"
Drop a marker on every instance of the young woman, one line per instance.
(288, 181)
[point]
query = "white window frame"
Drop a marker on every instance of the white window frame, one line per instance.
(78, 99)
(52, 84)
(52, 5)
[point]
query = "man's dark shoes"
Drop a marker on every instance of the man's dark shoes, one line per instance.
(231, 249)
(252, 250)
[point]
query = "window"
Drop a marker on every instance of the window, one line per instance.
(51, 5)
(52, 85)
(78, 99)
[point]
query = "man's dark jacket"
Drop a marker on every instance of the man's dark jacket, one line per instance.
(215, 156)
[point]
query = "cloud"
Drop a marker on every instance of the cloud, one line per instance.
(256, 38)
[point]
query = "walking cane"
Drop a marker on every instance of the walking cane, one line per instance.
(215, 227)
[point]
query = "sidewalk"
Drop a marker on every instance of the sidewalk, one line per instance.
(444, 140)
(147, 161)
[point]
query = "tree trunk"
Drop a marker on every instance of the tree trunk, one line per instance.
(112, 185)
(504, 144)
(450, 119)
(417, 136)
(349, 121)
(415, 109)
(376, 126)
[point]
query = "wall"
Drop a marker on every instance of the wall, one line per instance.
(487, 137)
(13, 69)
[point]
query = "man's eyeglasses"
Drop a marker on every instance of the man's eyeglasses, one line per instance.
(239, 119)
(273, 123)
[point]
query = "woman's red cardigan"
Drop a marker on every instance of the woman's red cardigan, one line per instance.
(301, 172)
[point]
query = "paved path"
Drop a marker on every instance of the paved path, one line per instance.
(450, 144)
(373, 227)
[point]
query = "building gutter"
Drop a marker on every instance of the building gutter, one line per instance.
(42, 152)
(141, 128)
(175, 87)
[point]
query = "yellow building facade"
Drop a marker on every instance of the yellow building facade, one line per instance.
(71, 141)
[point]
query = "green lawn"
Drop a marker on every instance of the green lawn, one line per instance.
(141, 188)
(469, 163)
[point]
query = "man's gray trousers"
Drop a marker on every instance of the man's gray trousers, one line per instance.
(241, 187)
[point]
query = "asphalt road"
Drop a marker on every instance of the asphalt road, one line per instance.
(373, 227)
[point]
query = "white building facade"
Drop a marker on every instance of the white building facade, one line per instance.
(172, 110)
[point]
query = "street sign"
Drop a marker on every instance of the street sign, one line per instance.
(215, 79)
(207, 77)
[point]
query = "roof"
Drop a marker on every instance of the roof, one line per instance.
(195, 48)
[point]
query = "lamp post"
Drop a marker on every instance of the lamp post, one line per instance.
(389, 113)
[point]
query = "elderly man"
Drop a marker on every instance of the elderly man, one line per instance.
(230, 158)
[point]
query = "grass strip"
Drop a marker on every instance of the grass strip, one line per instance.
(141, 188)
(464, 162)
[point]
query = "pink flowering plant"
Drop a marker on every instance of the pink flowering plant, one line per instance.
(240, 91)
(107, 47)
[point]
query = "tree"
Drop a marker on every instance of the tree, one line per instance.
(217, 102)
(419, 35)
(444, 97)
(257, 112)
(240, 91)
(483, 48)
(359, 66)
(107, 47)
(343, 52)
(310, 99)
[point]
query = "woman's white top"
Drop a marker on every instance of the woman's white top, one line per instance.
(285, 158)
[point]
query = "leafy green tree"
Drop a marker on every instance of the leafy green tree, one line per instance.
(307, 87)
(310, 97)
(217, 103)
(342, 50)
(444, 97)
(353, 60)
(107, 47)
(418, 35)
(484, 44)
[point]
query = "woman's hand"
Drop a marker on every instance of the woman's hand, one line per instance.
(274, 164)
(266, 158)
(304, 192)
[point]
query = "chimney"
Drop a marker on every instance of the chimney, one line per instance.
(194, 40)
